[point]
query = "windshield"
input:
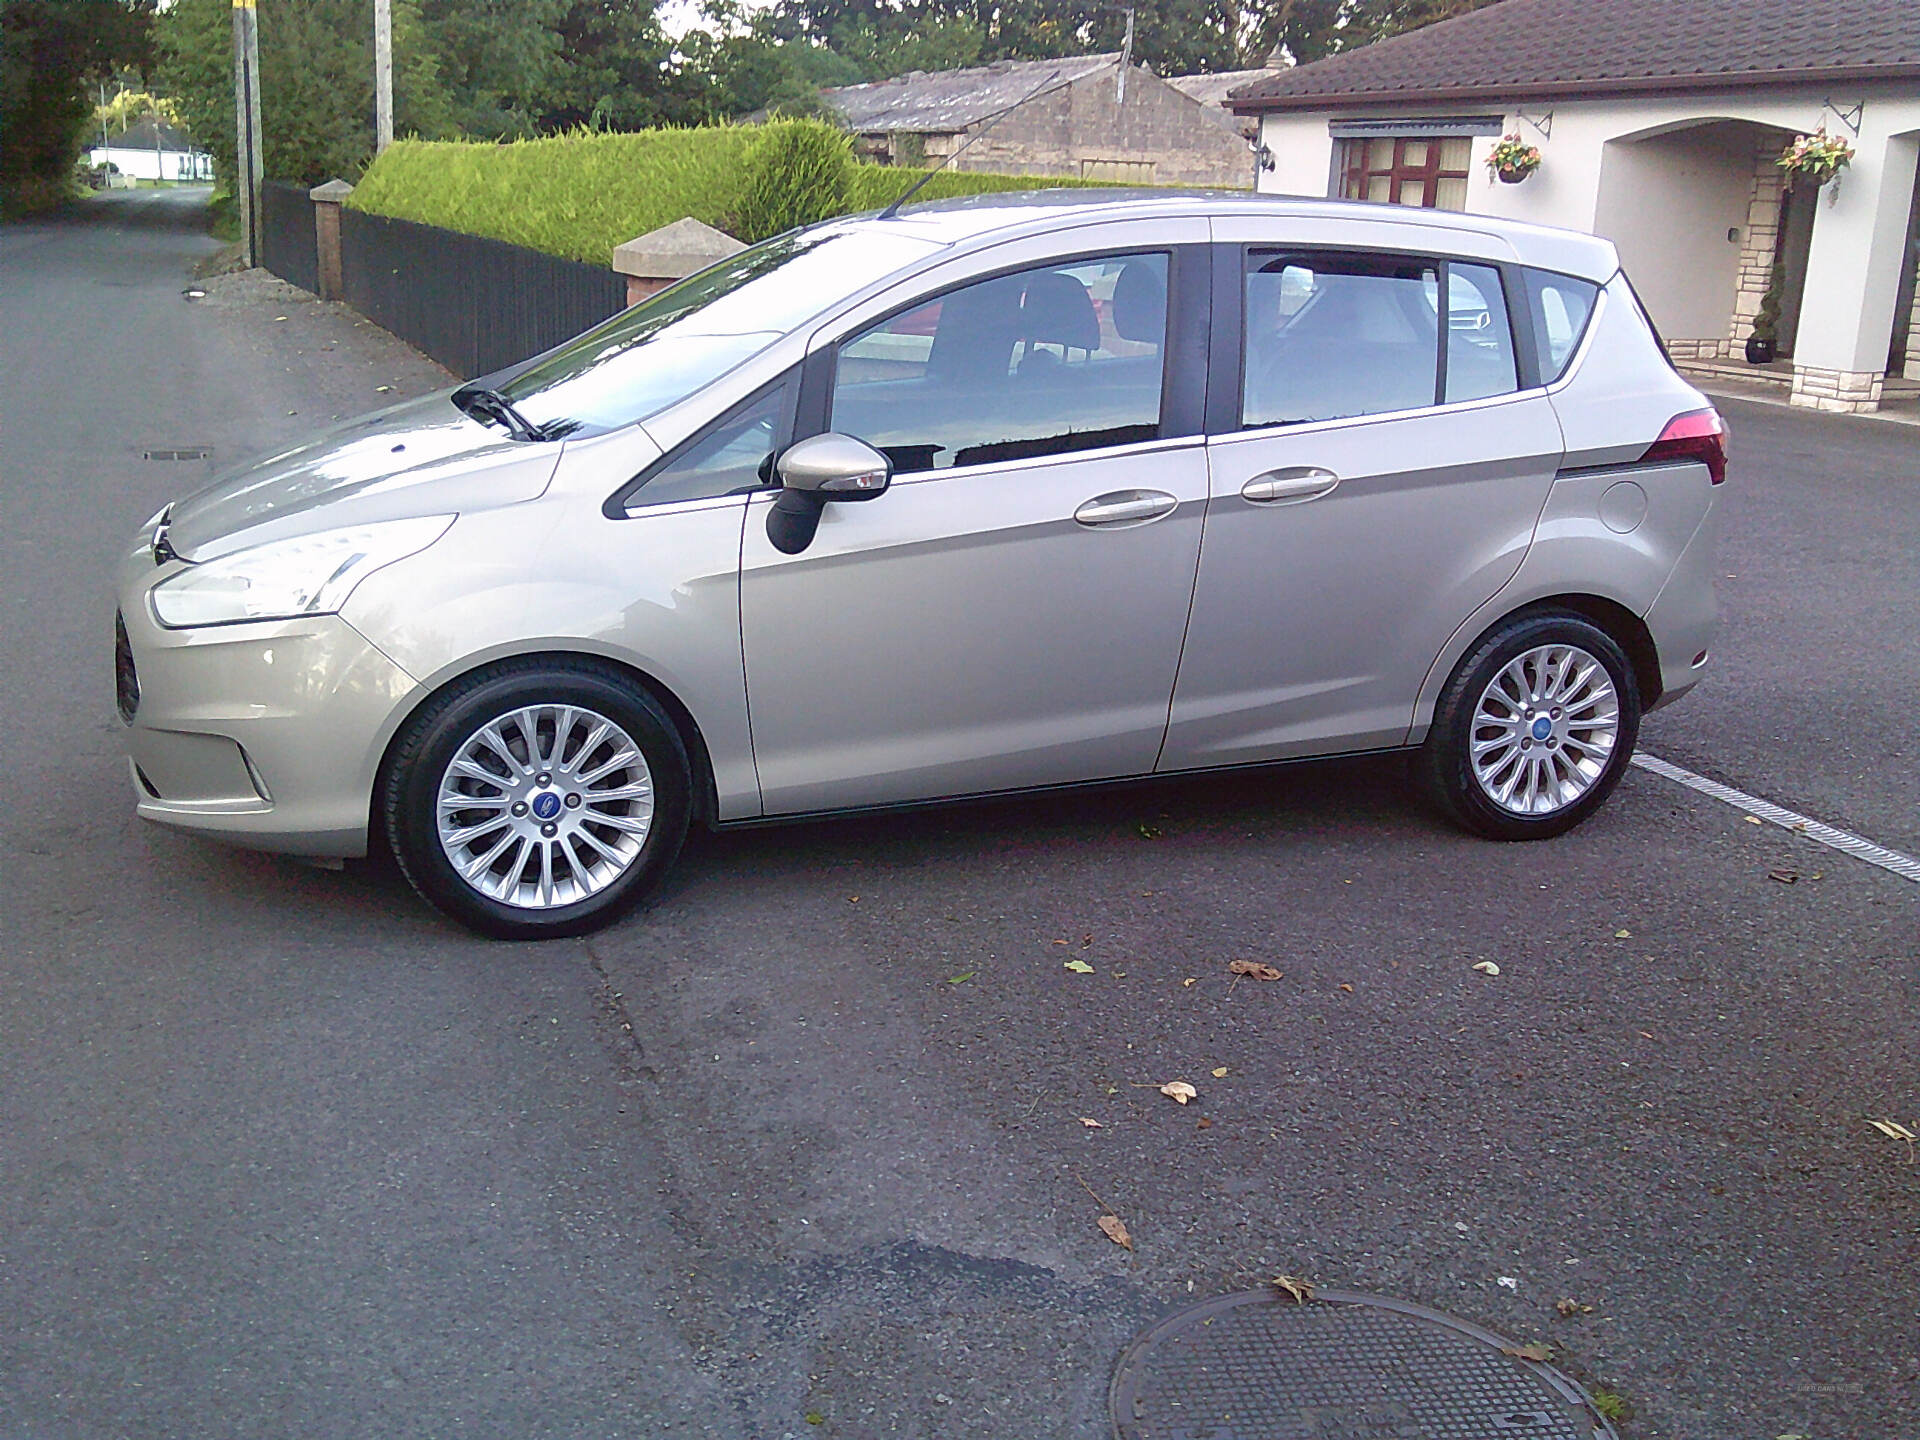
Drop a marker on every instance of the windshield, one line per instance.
(662, 350)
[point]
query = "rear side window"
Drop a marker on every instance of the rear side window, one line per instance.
(1561, 307)
(1330, 337)
(1333, 336)
(1479, 337)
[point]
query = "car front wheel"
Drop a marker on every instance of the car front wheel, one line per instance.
(1534, 729)
(538, 799)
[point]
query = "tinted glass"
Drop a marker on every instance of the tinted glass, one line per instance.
(1479, 339)
(1041, 362)
(1561, 307)
(724, 459)
(1334, 336)
(662, 350)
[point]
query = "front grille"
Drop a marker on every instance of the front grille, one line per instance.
(126, 682)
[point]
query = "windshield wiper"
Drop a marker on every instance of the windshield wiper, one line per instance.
(484, 404)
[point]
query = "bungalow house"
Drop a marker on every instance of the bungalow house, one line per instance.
(145, 151)
(1659, 124)
(1086, 116)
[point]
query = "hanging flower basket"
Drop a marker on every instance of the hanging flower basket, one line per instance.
(1513, 160)
(1817, 157)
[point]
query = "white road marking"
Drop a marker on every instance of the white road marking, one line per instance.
(1905, 866)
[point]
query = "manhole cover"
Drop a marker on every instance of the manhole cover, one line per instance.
(1341, 1367)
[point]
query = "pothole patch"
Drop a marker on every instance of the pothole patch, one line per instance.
(1342, 1366)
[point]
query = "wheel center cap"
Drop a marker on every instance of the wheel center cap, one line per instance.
(1542, 727)
(545, 806)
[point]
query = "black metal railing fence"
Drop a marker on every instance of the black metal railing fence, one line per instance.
(473, 304)
(287, 244)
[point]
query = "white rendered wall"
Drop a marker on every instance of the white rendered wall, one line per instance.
(1669, 235)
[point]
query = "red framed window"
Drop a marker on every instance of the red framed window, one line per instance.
(1424, 171)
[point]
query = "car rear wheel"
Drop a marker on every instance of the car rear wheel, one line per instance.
(1534, 729)
(539, 799)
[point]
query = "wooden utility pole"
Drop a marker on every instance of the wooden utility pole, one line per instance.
(382, 74)
(246, 104)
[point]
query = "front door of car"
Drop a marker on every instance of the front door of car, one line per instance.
(1370, 489)
(1009, 611)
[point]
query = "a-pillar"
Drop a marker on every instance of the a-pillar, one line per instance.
(1853, 275)
(327, 200)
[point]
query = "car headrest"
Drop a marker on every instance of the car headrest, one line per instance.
(1056, 310)
(1140, 303)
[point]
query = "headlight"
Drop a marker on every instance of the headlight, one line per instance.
(282, 580)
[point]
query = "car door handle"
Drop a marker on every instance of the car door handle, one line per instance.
(1278, 487)
(1126, 507)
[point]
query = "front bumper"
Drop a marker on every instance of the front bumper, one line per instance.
(265, 735)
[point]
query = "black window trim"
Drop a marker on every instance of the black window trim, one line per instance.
(616, 506)
(1226, 387)
(1183, 350)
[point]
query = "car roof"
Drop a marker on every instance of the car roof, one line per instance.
(1005, 215)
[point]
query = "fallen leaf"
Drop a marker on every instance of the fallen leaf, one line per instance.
(1571, 1306)
(1623, 934)
(1487, 967)
(381, 389)
(962, 977)
(1752, 819)
(1221, 1073)
(1190, 980)
(1115, 1229)
(1894, 1130)
(1347, 988)
(1300, 1290)
(1091, 1123)
(1536, 1352)
(1785, 877)
(814, 1417)
(1252, 969)
(1148, 832)
(1644, 1034)
(1079, 967)
(278, 318)
(1206, 1123)
(1179, 1091)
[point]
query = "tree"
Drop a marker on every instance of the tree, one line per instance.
(49, 51)
(316, 82)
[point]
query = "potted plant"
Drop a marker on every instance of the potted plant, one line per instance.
(1513, 160)
(1817, 157)
(1766, 323)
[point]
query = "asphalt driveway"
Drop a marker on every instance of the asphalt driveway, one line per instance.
(801, 1150)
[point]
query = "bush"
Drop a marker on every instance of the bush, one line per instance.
(798, 173)
(580, 195)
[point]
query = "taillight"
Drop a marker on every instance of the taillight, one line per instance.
(1697, 435)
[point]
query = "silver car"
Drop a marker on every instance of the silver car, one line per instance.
(978, 497)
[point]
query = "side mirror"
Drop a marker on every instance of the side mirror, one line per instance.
(835, 467)
(819, 469)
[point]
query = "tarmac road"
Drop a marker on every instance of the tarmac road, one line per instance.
(799, 1151)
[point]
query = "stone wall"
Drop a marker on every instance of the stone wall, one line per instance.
(1761, 239)
(1157, 137)
(1912, 368)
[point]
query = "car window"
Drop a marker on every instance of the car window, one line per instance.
(1561, 307)
(660, 351)
(1039, 362)
(724, 459)
(1332, 336)
(1479, 337)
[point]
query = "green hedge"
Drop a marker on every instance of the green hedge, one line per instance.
(580, 195)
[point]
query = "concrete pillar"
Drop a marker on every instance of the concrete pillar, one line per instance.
(327, 200)
(1853, 275)
(653, 261)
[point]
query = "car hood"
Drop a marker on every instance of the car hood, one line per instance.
(423, 457)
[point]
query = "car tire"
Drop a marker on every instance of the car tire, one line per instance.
(1533, 730)
(537, 799)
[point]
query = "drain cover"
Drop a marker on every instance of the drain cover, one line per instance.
(1341, 1367)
